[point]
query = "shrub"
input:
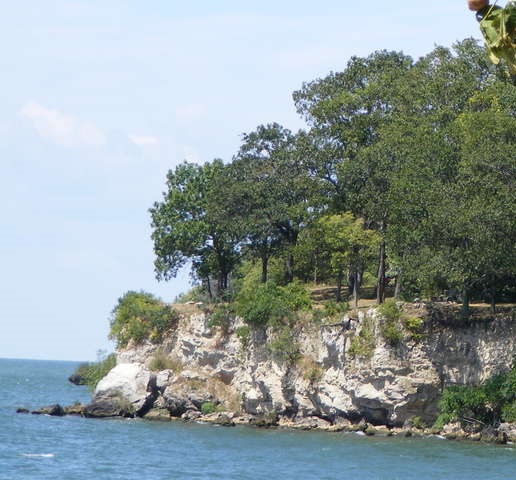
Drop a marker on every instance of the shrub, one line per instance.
(414, 325)
(221, 317)
(311, 371)
(244, 334)
(509, 412)
(161, 361)
(139, 316)
(363, 344)
(262, 306)
(492, 401)
(91, 373)
(283, 346)
(295, 296)
(195, 294)
(208, 407)
(389, 310)
(333, 309)
(391, 332)
(390, 328)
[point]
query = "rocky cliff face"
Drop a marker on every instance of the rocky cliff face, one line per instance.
(332, 377)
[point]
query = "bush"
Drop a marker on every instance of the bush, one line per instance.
(390, 327)
(414, 325)
(509, 412)
(296, 296)
(91, 373)
(244, 334)
(270, 304)
(392, 333)
(208, 407)
(389, 310)
(221, 317)
(333, 309)
(283, 346)
(492, 401)
(139, 316)
(161, 361)
(363, 344)
(312, 372)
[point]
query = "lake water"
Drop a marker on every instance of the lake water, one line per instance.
(42, 447)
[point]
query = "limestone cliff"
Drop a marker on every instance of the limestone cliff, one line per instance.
(328, 381)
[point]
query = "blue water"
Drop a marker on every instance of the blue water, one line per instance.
(42, 447)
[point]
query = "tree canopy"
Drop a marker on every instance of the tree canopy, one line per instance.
(404, 174)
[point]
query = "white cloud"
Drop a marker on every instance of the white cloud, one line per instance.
(144, 140)
(190, 112)
(61, 128)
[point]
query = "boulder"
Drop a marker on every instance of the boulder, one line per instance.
(53, 410)
(77, 379)
(129, 388)
(111, 407)
(157, 414)
(76, 409)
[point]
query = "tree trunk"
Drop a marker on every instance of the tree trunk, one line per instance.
(380, 287)
(290, 267)
(355, 290)
(208, 287)
(465, 302)
(397, 288)
(265, 267)
(339, 287)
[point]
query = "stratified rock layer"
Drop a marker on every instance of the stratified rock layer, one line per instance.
(326, 384)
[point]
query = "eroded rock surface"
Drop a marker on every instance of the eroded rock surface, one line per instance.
(325, 386)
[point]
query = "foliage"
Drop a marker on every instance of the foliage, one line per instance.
(283, 345)
(190, 224)
(363, 344)
(222, 317)
(390, 325)
(139, 316)
(92, 372)
(405, 173)
(208, 407)
(492, 401)
(312, 372)
(389, 311)
(391, 332)
(414, 325)
(161, 361)
(244, 335)
(195, 294)
(270, 304)
(334, 309)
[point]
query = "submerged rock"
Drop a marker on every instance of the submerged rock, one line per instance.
(52, 410)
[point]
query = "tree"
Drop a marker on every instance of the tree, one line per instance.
(190, 224)
(348, 109)
(348, 246)
(270, 194)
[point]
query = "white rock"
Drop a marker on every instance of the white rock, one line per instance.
(132, 382)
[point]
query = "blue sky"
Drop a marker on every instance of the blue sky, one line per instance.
(100, 98)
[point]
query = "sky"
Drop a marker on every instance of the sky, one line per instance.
(100, 98)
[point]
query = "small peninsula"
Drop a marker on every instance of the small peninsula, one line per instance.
(356, 275)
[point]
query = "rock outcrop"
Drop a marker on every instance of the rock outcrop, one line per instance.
(332, 379)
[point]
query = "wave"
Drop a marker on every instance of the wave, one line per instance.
(38, 455)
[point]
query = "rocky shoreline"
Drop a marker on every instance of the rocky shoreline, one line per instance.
(501, 435)
(341, 380)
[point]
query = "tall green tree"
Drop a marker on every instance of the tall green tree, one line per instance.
(271, 193)
(190, 224)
